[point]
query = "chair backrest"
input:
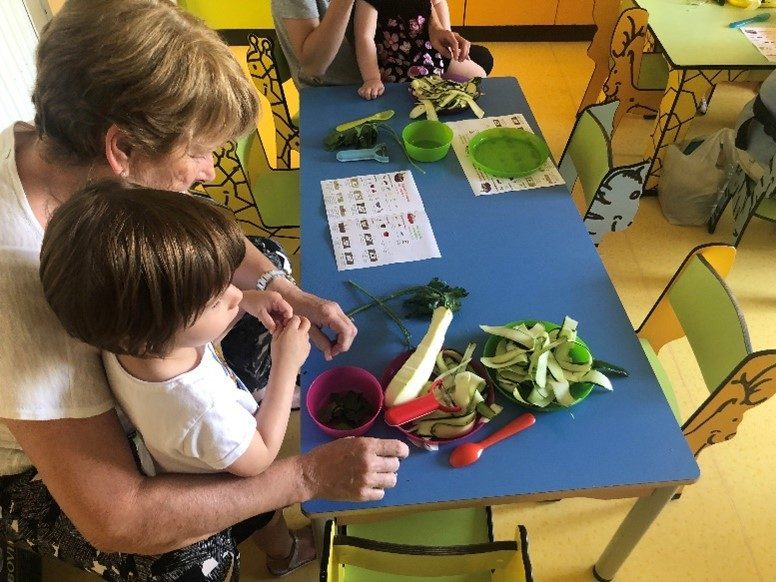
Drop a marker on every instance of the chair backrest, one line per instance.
(748, 196)
(612, 193)
(370, 556)
(625, 66)
(751, 383)
(605, 13)
(269, 70)
(711, 319)
(661, 324)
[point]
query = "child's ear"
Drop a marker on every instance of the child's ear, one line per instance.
(117, 150)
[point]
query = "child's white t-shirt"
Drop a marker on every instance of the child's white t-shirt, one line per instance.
(201, 421)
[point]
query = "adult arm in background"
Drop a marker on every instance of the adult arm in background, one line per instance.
(365, 25)
(321, 312)
(442, 11)
(448, 43)
(317, 41)
(88, 468)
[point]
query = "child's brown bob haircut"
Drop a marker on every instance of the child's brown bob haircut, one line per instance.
(125, 268)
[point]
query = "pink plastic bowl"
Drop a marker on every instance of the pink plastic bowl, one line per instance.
(344, 379)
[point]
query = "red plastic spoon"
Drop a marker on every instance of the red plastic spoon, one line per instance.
(468, 453)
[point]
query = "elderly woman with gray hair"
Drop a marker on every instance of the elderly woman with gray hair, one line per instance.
(140, 89)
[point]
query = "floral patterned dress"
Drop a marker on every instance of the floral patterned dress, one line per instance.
(404, 50)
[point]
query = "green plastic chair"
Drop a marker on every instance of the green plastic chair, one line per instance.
(750, 198)
(612, 193)
(454, 545)
(265, 201)
(698, 305)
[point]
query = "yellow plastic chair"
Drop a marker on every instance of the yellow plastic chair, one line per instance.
(269, 70)
(612, 193)
(698, 305)
(454, 545)
(605, 14)
(750, 198)
(637, 79)
(265, 201)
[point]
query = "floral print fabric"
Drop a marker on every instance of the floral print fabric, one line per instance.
(404, 50)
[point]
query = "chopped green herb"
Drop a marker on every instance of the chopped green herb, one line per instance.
(346, 410)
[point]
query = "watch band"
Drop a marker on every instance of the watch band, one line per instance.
(268, 276)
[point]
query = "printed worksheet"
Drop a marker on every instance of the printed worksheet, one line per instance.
(377, 220)
(484, 184)
(763, 38)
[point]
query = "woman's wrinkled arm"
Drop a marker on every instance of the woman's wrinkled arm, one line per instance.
(88, 467)
(322, 313)
(316, 42)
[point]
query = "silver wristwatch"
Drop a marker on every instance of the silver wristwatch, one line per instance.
(268, 276)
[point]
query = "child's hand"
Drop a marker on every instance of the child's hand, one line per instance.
(449, 44)
(268, 307)
(371, 89)
(291, 342)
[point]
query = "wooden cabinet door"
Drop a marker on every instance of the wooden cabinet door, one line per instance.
(574, 12)
(456, 11)
(510, 12)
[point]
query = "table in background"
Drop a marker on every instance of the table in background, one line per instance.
(521, 255)
(701, 51)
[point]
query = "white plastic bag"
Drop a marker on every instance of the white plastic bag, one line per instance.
(691, 183)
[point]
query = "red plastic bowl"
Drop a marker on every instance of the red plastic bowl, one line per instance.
(479, 369)
(338, 380)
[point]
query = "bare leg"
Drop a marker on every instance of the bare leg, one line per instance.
(277, 542)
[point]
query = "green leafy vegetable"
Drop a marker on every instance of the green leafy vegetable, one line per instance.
(425, 298)
(359, 137)
(346, 410)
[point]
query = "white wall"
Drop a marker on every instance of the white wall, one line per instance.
(17, 62)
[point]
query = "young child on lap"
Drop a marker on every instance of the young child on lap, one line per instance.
(393, 45)
(145, 275)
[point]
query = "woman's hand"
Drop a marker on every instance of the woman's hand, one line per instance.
(321, 313)
(371, 89)
(268, 307)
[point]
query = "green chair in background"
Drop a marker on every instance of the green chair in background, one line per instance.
(265, 201)
(448, 545)
(612, 193)
(698, 305)
(750, 198)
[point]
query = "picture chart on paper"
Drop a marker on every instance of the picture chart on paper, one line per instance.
(377, 219)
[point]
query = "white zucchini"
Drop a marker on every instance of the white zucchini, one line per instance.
(412, 376)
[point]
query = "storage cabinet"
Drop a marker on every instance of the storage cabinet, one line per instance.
(574, 12)
(509, 12)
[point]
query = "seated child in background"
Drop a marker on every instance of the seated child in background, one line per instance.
(393, 45)
(145, 275)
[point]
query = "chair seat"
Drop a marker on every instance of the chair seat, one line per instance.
(662, 377)
(451, 527)
(767, 209)
(653, 74)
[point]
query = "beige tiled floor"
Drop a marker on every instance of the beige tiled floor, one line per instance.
(722, 528)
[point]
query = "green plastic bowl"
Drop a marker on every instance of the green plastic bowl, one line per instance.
(426, 140)
(508, 152)
(579, 390)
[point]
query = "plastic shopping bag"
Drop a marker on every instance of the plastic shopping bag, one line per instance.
(694, 177)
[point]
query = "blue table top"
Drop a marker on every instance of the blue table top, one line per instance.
(520, 255)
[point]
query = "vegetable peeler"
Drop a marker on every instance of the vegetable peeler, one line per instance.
(436, 399)
(378, 153)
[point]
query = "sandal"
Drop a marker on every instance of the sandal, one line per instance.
(282, 566)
